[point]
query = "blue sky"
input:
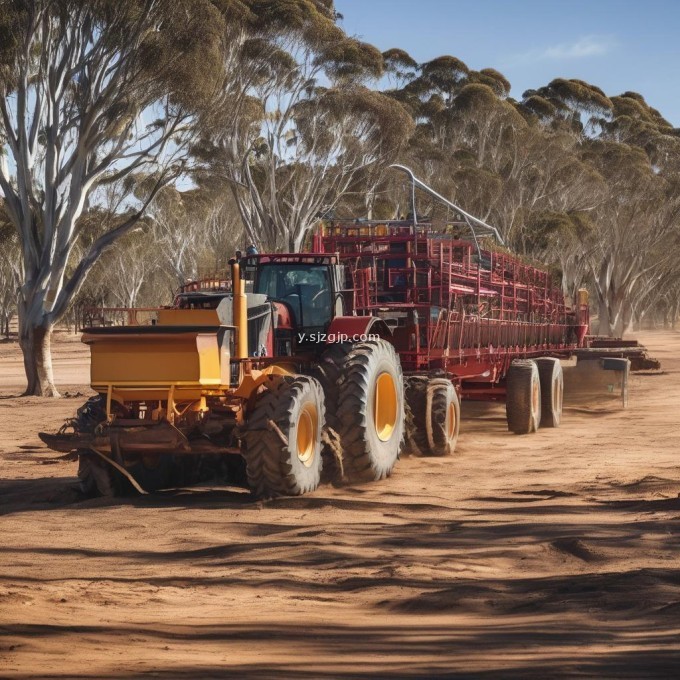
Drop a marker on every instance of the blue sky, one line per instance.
(618, 45)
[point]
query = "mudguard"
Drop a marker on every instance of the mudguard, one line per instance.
(356, 328)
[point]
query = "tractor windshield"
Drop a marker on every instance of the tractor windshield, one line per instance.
(305, 288)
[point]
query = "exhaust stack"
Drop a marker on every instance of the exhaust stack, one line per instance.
(239, 311)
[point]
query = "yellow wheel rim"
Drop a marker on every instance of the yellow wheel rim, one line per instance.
(535, 397)
(385, 409)
(308, 422)
(451, 421)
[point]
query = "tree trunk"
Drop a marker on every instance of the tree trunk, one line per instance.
(35, 342)
(630, 319)
(603, 316)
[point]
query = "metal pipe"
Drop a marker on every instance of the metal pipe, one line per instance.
(239, 311)
(468, 218)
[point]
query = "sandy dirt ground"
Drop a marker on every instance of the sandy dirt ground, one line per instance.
(552, 555)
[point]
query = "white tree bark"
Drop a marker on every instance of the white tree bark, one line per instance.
(77, 117)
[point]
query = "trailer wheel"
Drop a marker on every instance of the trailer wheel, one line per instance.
(443, 424)
(415, 413)
(552, 390)
(366, 408)
(283, 438)
(433, 415)
(523, 397)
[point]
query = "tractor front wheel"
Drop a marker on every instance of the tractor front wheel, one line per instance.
(282, 441)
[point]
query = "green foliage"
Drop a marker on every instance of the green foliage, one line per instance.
(443, 73)
(545, 225)
(493, 79)
(287, 119)
(399, 62)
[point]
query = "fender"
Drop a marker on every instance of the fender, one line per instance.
(351, 326)
(283, 315)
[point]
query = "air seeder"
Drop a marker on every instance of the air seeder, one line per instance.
(365, 344)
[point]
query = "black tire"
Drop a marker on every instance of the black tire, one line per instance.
(371, 441)
(99, 478)
(416, 414)
(433, 415)
(282, 441)
(552, 390)
(523, 397)
(328, 372)
(444, 422)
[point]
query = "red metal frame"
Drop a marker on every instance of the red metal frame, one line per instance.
(468, 312)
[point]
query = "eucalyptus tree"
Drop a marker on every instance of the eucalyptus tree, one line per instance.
(635, 227)
(130, 266)
(92, 92)
(176, 226)
(297, 124)
(494, 155)
(634, 151)
(222, 232)
(9, 276)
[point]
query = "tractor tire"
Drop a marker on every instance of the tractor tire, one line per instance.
(365, 402)
(523, 397)
(416, 414)
(443, 424)
(329, 371)
(433, 415)
(552, 390)
(282, 440)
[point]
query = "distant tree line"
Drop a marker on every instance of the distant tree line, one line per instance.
(142, 141)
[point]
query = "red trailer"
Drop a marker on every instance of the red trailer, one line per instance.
(478, 318)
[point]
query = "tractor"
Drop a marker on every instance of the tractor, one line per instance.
(360, 347)
(256, 373)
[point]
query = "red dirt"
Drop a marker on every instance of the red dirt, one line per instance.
(548, 555)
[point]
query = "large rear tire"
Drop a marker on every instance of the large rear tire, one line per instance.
(523, 397)
(552, 390)
(283, 438)
(366, 408)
